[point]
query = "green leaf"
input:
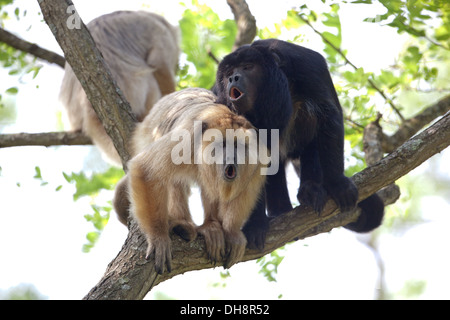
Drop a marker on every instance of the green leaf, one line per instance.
(38, 174)
(92, 185)
(99, 218)
(269, 264)
(12, 90)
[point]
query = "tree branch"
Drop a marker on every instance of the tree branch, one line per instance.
(373, 152)
(44, 139)
(413, 125)
(131, 276)
(88, 65)
(245, 21)
(32, 48)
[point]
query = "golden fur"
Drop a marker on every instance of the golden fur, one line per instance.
(158, 189)
(141, 50)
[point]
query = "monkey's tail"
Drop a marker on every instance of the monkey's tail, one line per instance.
(372, 212)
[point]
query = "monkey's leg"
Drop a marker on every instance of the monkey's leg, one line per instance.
(95, 130)
(257, 225)
(277, 195)
(149, 202)
(166, 80)
(164, 68)
(211, 229)
(121, 200)
(311, 192)
(180, 219)
(331, 152)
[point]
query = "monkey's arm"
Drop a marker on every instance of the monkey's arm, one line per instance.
(234, 214)
(150, 176)
(148, 197)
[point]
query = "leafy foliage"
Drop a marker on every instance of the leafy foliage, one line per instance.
(204, 36)
(88, 186)
(92, 186)
(19, 63)
(99, 219)
(22, 292)
(270, 262)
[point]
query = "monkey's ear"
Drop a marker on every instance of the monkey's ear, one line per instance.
(276, 58)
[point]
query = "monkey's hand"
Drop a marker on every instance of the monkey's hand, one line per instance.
(161, 248)
(236, 243)
(214, 238)
(312, 194)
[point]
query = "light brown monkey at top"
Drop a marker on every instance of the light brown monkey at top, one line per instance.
(141, 50)
(158, 182)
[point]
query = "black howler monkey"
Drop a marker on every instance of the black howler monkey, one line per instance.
(280, 85)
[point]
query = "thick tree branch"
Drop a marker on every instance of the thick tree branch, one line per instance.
(131, 276)
(245, 21)
(44, 139)
(88, 65)
(373, 152)
(411, 126)
(32, 48)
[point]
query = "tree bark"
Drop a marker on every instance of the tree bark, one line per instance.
(44, 139)
(412, 125)
(245, 21)
(131, 276)
(88, 65)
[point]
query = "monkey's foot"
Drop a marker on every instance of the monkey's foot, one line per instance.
(236, 243)
(255, 231)
(185, 229)
(214, 238)
(312, 194)
(344, 193)
(160, 247)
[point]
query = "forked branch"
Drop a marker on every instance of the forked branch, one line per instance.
(131, 276)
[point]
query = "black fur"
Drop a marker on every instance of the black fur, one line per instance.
(295, 94)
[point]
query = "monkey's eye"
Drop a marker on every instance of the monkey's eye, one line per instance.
(230, 172)
(248, 67)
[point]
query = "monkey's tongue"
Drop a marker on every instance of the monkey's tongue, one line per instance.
(235, 93)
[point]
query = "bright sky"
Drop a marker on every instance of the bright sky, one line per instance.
(42, 231)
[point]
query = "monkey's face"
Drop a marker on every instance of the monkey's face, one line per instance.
(242, 86)
(228, 169)
(240, 77)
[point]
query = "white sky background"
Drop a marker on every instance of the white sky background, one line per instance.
(42, 231)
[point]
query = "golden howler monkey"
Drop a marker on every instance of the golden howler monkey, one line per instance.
(141, 50)
(183, 140)
(280, 85)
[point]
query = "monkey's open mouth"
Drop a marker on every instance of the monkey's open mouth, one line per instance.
(235, 94)
(230, 172)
